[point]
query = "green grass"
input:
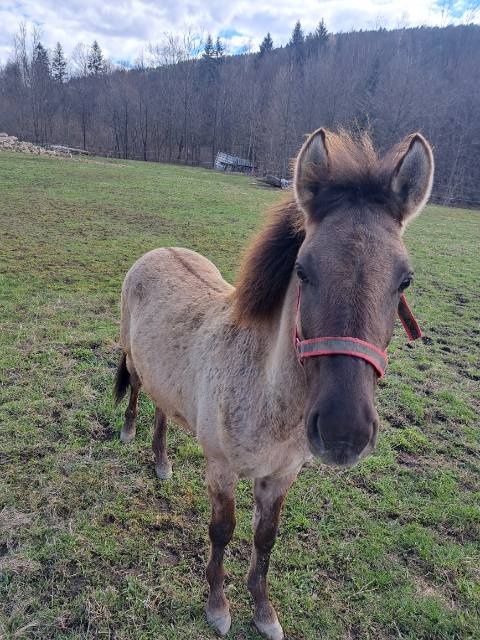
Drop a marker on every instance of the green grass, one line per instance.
(92, 546)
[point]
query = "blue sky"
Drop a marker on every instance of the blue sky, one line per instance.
(124, 28)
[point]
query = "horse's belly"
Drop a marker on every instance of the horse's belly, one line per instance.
(167, 383)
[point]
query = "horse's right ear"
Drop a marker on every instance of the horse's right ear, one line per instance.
(311, 169)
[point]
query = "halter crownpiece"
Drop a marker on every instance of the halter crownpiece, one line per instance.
(346, 346)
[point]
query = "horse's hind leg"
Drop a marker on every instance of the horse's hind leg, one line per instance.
(129, 428)
(163, 467)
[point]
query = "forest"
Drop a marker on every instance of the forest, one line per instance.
(187, 99)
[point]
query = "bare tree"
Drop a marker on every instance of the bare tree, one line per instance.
(185, 99)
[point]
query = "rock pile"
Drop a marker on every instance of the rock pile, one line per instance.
(11, 143)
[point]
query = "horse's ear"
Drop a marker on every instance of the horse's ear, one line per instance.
(413, 176)
(311, 169)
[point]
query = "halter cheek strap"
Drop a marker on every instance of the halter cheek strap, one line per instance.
(347, 346)
(407, 318)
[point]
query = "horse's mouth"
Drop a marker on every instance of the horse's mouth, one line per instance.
(342, 454)
(340, 457)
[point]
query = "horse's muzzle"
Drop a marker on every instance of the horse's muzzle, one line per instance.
(342, 452)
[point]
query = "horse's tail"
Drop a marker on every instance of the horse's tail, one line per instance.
(122, 379)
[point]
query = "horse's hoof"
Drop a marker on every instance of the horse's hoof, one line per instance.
(163, 471)
(221, 622)
(127, 436)
(271, 630)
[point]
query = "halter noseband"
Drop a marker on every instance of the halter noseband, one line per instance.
(346, 346)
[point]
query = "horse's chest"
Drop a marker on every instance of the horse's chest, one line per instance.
(261, 443)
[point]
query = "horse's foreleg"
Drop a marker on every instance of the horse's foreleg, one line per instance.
(163, 467)
(129, 428)
(269, 496)
(221, 487)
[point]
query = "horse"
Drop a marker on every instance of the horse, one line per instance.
(284, 366)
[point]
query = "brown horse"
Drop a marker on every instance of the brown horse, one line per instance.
(223, 363)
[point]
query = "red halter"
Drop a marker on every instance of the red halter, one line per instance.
(346, 346)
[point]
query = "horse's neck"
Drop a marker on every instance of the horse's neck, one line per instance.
(285, 375)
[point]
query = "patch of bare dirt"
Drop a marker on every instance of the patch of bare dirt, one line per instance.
(426, 589)
(11, 519)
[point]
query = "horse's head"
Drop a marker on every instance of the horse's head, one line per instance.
(352, 268)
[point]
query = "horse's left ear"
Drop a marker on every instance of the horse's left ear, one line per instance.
(413, 176)
(311, 169)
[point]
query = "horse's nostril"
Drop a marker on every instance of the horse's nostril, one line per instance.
(315, 440)
(360, 440)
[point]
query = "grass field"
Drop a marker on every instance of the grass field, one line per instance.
(93, 546)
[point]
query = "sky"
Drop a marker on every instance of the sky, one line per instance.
(125, 28)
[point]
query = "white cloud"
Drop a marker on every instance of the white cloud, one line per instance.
(125, 27)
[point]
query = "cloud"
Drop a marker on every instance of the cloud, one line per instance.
(125, 27)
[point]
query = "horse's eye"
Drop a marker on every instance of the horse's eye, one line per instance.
(405, 284)
(302, 276)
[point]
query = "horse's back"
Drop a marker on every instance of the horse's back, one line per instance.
(169, 265)
(172, 276)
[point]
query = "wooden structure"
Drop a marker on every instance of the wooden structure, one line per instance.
(273, 181)
(228, 162)
(63, 149)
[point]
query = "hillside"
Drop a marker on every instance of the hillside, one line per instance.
(184, 109)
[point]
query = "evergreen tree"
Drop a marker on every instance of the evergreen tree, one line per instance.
(297, 39)
(40, 92)
(59, 64)
(317, 40)
(267, 44)
(95, 61)
(321, 33)
(40, 59)
(209, 49)
(219, 48)
(297, 44)
(209, 61)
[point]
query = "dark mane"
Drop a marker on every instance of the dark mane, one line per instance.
(268, 263)
(355, 175)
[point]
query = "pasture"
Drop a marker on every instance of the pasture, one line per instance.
(92, 545)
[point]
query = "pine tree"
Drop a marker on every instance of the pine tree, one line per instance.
(59, 64)
(297, 44)
(95, 61)
(297, 38)
(317, 40)
(219, 48)
(267, 44)
(40, 58)
(209, 49)
(40, 91)
(321, 32)
(210, 60)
